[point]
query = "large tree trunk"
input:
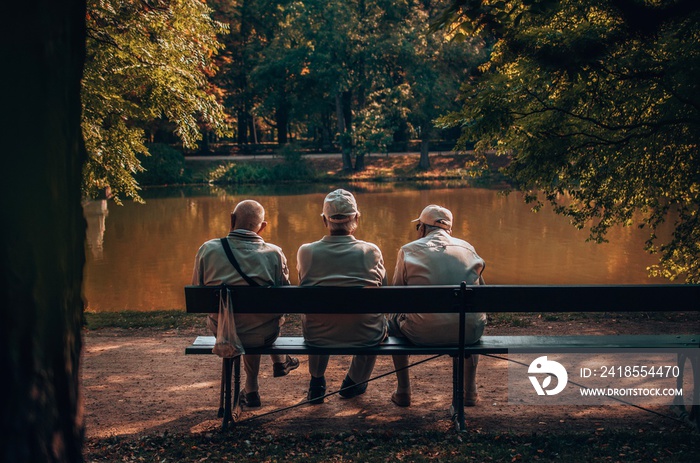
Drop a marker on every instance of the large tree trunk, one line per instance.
(343, 132)
(43, 232)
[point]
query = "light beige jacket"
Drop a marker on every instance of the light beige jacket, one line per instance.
(342, 261)
(263, 262)
(439, 259)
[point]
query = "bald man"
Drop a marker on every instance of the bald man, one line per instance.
(264, 263)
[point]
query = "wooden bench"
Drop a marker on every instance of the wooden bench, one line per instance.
(452, 299)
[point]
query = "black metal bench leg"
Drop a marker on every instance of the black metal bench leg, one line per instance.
(458, 370)
(679, 406)
(220, 413)
(695, 408)
(232, 411)
(457, 409)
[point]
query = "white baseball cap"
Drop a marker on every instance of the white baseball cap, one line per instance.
(436, 216)
(340, 206)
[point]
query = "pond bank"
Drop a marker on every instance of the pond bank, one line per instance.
(378, 168)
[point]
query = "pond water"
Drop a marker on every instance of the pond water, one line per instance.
(139, 256)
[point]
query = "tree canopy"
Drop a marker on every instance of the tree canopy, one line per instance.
(148, 62)
(597, 103)
(357, 74)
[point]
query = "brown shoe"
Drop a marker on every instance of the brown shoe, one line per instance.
(402, 399)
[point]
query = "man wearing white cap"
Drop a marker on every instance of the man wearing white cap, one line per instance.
(339, 259)
(263, 263)
(436, 258)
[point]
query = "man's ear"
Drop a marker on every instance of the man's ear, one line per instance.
(233, 221)
(325, 221)
(262, 227)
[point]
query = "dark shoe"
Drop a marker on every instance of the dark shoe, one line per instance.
(349, 389)
(402, 399)
(250, 399)
(282, 369)
(317, 389)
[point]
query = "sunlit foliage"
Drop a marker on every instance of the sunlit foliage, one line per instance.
(360, 74)
(147, 62)
(597, 103)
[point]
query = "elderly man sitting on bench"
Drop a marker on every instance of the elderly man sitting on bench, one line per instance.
(436, 258)
(340, 259)
(244, 258)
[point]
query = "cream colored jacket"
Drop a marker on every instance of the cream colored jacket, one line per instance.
(439, 259)
(342, 261)
(263, 262)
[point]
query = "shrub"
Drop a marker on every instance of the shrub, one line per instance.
(165, 165)
(293, 168)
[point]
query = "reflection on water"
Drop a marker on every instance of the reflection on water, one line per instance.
(141, 255)
(95, 213)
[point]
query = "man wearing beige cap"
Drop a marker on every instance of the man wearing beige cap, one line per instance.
(339, 259)
(436, 258)
(264, 264)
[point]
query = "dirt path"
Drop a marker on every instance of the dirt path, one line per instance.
(140, 382)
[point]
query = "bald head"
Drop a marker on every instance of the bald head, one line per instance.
(248, 215)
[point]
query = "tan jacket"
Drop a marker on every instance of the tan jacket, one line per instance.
(439, 259)
(342, 261)
(263, 262)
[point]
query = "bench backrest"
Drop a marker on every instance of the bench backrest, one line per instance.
(324, 299)
(443, 299)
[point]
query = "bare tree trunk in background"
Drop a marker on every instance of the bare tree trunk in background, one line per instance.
(359, 162)
(43, 231)
(424, 162)
(282, 119)
(345, 142)
(241, 78)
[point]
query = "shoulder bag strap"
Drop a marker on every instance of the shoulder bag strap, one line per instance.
(234, 262)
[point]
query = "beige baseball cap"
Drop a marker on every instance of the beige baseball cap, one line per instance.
(436, 216)
(340, 206)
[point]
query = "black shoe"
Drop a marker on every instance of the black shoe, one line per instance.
(250, 399)
(317, 389)
(283, 368)
(349, 389)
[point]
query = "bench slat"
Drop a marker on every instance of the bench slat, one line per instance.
(443, 299)
(488, 344)
(321, 299)
(586, 298)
